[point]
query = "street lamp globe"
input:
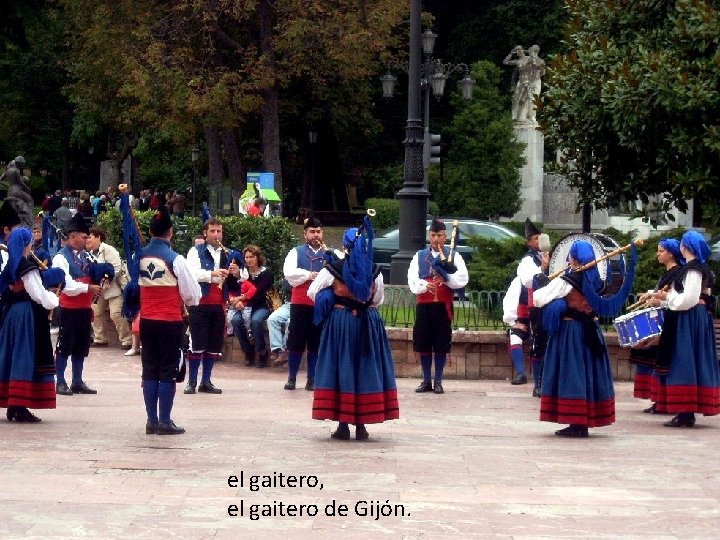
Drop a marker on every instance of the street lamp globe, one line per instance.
(466, 86)
(428, 41)
(388, 85)
(195, 153)
(437, 83)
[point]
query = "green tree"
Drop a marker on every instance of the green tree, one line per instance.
(481, 178)
(633, 102)
(34, 114)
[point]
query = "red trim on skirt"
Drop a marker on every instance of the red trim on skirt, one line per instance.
(33, 395)
(355, 408)
(643, 385)
(687, 398)
(577, 411)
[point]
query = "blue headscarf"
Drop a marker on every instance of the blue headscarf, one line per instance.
(18, 240)
(358, 267)
(592, 286)
(357, 271)
(694, 241)
(672, 246)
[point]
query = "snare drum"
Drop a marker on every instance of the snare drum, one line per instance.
(639, 326)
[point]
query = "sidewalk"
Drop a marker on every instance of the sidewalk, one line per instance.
(472, 463)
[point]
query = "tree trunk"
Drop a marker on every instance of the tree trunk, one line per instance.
(236, 168)
(118, 158)
(270, 117)
(216, 173)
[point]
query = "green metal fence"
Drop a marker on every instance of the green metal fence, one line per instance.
(476, 310)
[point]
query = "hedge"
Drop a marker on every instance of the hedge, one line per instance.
(274, 235)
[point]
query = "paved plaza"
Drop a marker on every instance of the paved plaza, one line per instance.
(472, 463)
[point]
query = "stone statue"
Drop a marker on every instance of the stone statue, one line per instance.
(18, 195)
(526, 81)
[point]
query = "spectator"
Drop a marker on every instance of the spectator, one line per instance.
(278, 325)
(55, 202)
(62, 215)
(111, 299)
(257, 207)
(262, 278)
(85, 208)
(178, 203)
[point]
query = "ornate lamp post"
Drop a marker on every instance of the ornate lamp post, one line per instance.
(424, 73)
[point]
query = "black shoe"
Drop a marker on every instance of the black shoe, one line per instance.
(536, 392)
(438, 388)
(342, 433)
(21, 415)
(126, 347)
(82, 388)
(262, 361)
(168, 429)
(425, 386)
(151, 428)
(361, 434)
(63, 390)
(652, 409)
(208, 388)
(573, 430)
(681, 420)
(519, 378)
(250, 358)
(290, 385)
(310, 384)
(189, 388)
(99, 344)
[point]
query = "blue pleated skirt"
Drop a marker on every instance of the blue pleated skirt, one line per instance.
(577, 382)
(355, 375)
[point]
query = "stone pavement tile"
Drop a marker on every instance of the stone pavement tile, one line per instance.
(472, 463)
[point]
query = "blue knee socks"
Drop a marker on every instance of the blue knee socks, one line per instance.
(77, 369)
(208, 362)
(426, 364)
(440, 360)
(537, 366)
(166, 395)
(311, 362)
(193, 360)
(518, 359)
(294, 359)
(150, 395)
(60, 366)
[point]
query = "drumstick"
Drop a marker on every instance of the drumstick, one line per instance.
(644, 303)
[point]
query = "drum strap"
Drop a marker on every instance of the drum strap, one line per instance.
(667, 342)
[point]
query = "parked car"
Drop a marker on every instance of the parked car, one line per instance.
(714, 244)
(385, 246)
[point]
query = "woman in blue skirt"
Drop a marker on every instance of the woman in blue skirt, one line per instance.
(687, 364)
(643, 354)
(355, 375)
(577, 381)
(27, 367)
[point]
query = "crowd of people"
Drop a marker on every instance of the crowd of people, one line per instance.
(330, 319)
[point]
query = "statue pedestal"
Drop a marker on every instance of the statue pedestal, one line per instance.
(531, 174)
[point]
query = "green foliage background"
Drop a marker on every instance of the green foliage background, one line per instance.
(275, 235)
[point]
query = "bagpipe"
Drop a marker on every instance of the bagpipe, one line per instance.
(232, 256)
(132, 244)
(442, 264)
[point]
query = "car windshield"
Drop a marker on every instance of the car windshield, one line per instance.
(466, 229)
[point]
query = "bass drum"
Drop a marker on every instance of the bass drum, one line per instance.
(601, 244)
